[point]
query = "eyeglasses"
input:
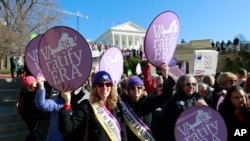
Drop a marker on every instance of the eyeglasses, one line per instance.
(237, 97)
(189, 84)
(233, 81)
(101, 85)
(135, 87)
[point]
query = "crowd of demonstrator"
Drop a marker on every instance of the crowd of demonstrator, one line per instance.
(98, 49)
(136, 108)
(227, 47)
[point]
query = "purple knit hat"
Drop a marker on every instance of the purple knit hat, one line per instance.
(134, 80)
(100, 77)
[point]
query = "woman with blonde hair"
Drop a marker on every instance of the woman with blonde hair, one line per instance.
(97, 118)
(225, 80)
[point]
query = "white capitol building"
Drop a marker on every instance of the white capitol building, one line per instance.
(124, 36)
(130, 36)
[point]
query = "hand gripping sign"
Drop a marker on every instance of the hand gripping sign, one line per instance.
(65, 58)
(112, 62)
(161, 38)
(31, 56)
(201, 124)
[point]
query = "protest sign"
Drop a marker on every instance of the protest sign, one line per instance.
(161, 38)
(200, 124)
(31, 56)
(65, 58)
(112, 62)
(204, 62)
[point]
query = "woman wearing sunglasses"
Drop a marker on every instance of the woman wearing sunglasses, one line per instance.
(96, 118)
(186, 96)
(225, 80)
(137, 107)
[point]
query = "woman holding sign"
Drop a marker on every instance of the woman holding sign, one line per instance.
(186, 96)
(235, 112)
(138, 107)
(97, 118)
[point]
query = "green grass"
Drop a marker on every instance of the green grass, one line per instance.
(5, 71)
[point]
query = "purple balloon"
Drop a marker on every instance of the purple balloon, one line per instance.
(31, 56)
(161, 38)
(65, 58)
(200, 124)
(112, 62)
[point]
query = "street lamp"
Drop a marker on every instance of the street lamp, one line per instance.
(77, 18)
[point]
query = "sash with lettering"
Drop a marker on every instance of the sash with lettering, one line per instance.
(136, 125)
(108, 121)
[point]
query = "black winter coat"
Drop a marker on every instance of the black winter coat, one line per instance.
(177, 104)
(76, 124)
(147, 104)
(233, 124)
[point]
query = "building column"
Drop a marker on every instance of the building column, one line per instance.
(133, 41)
(127, 42)
(113, 39)
(141, 42)
(120, 41)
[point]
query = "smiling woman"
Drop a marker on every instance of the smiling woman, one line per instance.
(98, 118)
(137, 106)
(185, 97)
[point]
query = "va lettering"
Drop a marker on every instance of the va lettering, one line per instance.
(34, 57)
(201, 131)
(163, 39)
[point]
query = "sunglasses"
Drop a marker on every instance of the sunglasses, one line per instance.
(233, 81)
(135, 87)
(189, 84)
(101, 85)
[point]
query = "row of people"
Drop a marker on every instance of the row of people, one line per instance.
(133, 114)
(16, 66)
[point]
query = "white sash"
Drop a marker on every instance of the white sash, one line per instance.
(108, 121)
(136, 125)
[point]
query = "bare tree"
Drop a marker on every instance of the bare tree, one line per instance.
(23, 17)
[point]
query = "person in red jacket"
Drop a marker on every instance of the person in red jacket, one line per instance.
(148, 80)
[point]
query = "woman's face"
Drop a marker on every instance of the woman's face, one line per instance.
(135, 92)
(103, 89)
(190, 86)
(230, 83)
(238, 98)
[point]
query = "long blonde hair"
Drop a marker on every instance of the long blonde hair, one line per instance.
(111, 101)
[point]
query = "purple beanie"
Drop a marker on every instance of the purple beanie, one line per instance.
(134, 80)
(100, 77)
